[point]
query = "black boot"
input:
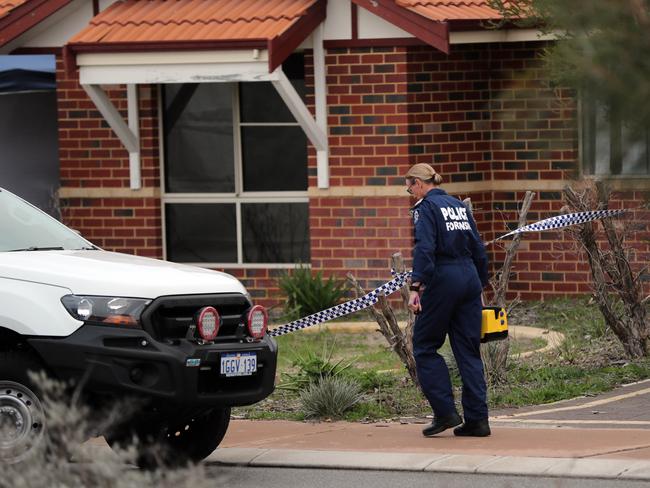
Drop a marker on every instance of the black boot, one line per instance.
(440, 424)
(474, 428)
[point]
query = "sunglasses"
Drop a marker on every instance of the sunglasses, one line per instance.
(409, 189)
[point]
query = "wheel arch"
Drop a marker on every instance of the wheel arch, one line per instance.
(10, 340)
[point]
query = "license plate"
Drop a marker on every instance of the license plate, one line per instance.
(238, 364)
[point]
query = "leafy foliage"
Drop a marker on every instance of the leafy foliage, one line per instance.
(313, 367)
(308, 294)
(602, 48)
(372, 381)
(330, 397)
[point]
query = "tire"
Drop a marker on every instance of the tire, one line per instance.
(174, 443)
(22, 415)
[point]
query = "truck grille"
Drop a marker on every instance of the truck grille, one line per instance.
(171, 317)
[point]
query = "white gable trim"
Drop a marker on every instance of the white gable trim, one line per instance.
(174, 67)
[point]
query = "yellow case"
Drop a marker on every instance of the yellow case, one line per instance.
(494, 326)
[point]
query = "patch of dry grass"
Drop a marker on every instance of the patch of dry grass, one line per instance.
(62, 459)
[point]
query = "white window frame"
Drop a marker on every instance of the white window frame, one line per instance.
(585, 166)
(238, 197)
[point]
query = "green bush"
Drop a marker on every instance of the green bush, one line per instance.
(313, 367)
(330, 397)
(308, 294)
(371, 380)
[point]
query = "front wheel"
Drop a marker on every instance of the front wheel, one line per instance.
(176, 442)
(22, 416)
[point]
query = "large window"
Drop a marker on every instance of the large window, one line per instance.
(235, 179)
(610, 145)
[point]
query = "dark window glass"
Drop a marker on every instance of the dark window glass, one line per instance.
(274, 158)
(259, 101)
(275, 232)
(610, 146)
(201, 232)
(199, 155)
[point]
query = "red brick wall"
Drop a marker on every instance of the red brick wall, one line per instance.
(481, 115)
(92, 157)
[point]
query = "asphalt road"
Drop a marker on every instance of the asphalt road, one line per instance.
(248, 477)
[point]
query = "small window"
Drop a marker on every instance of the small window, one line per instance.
(610, 144)
(272, 159)
(201, 232)
(275, 232)
(199, 142)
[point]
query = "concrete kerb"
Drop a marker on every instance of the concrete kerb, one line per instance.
(631, 469)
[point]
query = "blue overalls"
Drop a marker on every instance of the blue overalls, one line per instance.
(449, 260)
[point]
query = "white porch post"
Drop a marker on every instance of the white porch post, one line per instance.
(128, 134)
(320, 92)
(134, 157)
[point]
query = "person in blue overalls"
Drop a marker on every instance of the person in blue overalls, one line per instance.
(450, 270)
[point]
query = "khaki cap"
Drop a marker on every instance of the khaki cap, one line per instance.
(422, 171)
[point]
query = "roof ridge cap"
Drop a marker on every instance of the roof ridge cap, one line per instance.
(186, 21)
(99, 21)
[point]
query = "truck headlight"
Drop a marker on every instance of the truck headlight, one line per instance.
(105, 310)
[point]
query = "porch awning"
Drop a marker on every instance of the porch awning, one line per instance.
(431, 20)
(277, 26)
(199, 41)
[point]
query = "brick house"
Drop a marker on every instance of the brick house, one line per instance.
(249, 135)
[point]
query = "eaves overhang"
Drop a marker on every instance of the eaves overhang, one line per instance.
(25, 16)
(434, 33)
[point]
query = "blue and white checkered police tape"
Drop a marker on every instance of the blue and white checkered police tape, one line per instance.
(346, 308)
(400, 279)
(564, 220)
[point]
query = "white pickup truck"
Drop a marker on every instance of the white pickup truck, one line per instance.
(187, 342)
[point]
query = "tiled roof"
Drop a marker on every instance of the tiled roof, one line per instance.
(7, 6)
(128, 21)
(445, 10)
(19, 16)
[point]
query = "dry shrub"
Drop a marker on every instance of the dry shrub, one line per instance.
(330, 396)
(64, 459)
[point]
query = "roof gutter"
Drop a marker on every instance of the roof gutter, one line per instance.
(71, 50)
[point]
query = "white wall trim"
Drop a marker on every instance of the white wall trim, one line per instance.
(501, 35)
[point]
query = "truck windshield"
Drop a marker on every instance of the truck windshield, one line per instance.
(25, 228)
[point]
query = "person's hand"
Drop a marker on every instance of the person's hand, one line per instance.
(414, 302)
